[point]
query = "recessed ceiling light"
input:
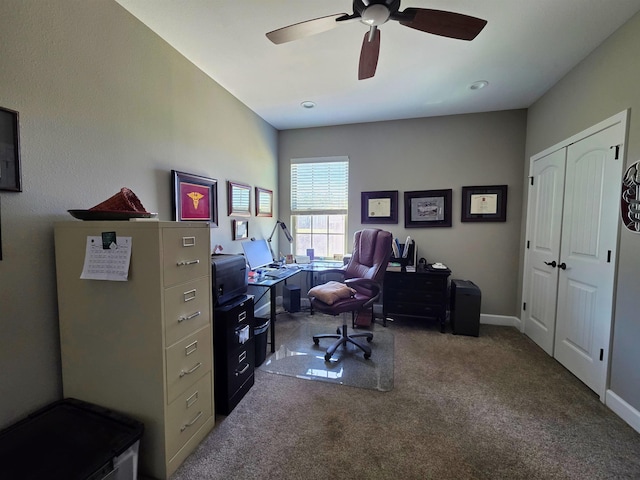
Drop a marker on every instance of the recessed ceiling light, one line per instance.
(478, 85)
(308, 104)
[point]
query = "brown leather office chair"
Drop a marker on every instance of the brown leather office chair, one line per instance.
(363, 275)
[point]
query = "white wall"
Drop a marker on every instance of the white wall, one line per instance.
(432, 154)
(104, 103)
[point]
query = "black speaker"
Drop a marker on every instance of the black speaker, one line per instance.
(291, 298)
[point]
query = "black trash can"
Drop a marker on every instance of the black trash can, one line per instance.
(465, 307)
(260, 340)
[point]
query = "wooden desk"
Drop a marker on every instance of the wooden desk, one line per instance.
(416, 294)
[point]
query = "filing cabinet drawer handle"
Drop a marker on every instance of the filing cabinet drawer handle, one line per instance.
(187, 262)
(246, 367)
(188, 241)
(242, 356)
(186, 425)
(190, 295)
(189, 317)
(242, 315)
(190, 371)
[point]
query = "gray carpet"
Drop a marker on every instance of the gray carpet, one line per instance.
(493, 407)
(298, 356)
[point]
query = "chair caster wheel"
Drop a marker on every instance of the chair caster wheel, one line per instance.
(338, 331)
(369, 339)
(327, 357)
(316, 341)
(367, 356)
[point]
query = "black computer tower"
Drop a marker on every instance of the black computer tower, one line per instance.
(465, 298)
(291, 298)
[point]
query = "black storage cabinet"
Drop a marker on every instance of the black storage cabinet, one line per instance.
(68, 439)
(234, 352)
(465, 298)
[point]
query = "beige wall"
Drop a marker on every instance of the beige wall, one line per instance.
(605, 83)
(432, 154)
(104, 103)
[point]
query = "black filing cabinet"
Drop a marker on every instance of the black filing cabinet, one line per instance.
(233, 344)
(416, 294)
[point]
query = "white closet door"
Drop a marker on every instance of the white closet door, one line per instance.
(587, 259)
(545, 224)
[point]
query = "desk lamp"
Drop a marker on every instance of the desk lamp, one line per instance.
(286, 234)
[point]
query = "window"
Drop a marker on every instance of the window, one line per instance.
(319, 203)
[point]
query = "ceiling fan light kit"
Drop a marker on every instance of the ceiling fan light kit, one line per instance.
(374, 13)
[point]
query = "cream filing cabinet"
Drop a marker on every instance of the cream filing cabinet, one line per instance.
(143, 347)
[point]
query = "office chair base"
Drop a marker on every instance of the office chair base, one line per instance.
(342, 339)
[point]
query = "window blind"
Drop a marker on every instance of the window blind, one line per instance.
(319, 187)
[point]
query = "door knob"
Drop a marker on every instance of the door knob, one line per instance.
(552, 264)
(563, 266)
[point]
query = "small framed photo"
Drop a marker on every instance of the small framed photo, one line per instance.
(264, 202)
(379, 207)
(195, 198)
(427, 208)
(240, 229)
(239, 199)
(10, 175)
(484, 204)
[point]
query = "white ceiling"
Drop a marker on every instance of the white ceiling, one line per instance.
(526, 47)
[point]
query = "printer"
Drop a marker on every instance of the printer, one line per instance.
(228, 277)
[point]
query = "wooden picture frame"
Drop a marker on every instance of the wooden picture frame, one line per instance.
(10, 168)
(264, 202)
(240, 229)
(379, 207)
(238, 198)
(195, 198)
(484, 204)
(427, 208)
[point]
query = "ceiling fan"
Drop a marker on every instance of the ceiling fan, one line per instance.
(374, 13)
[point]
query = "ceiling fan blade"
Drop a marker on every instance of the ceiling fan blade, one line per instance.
(369, 54)
(304, 29)
(439, 22)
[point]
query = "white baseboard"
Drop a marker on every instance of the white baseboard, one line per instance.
(623, 410)
(502, 320)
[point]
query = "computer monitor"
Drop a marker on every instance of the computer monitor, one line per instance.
(257, 253)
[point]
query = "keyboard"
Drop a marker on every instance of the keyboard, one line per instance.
(277, 273)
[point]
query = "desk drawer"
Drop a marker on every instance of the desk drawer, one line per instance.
(233, 323)
(417, 296)
(185, 254)
(188, 413)
(415, 309)
(187, 361)
(415, 281)
(186, 309)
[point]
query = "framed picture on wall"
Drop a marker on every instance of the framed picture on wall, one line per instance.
(264, 202)
(427, 208)
(195, 198)
(10, 176)
(240, 229)
(379, 207)
(239, 198)
(484, 204)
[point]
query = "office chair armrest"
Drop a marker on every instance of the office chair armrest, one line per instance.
(368, 284)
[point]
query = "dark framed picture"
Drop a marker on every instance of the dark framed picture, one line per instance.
(379, 207)
(239, 198)
(195, 198)
(484, 203)
(10, 175)
(240, 229)
(264, 202)
(427, 208)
